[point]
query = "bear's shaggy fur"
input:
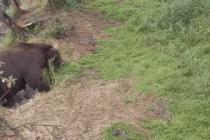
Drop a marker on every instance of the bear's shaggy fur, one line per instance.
(25, 62)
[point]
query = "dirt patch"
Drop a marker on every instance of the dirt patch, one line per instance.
(82, 109)
(88, 27)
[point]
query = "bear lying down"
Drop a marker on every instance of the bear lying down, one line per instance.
(25, 62)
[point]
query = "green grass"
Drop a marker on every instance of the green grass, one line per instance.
(168, 53)
(8, 40)
(66, 72)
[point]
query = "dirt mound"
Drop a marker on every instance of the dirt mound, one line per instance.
(82, 109)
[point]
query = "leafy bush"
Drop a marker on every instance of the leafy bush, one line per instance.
(8, 81)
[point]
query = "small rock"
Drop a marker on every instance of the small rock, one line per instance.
(118, 132)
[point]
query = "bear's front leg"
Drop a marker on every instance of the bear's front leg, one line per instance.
(35, 80)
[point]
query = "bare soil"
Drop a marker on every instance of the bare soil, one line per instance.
(87, 27)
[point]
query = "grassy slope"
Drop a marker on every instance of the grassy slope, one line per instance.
(164, 62)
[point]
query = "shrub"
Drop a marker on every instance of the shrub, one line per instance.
(181, 13)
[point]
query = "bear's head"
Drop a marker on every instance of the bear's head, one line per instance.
(54, 55)
(48, 51)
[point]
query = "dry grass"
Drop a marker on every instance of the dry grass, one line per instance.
(82, 109)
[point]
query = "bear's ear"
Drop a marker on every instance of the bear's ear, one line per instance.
(54, 54)
(50, 53)
(53, 50)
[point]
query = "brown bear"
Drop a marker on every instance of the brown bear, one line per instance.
(25, 63)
